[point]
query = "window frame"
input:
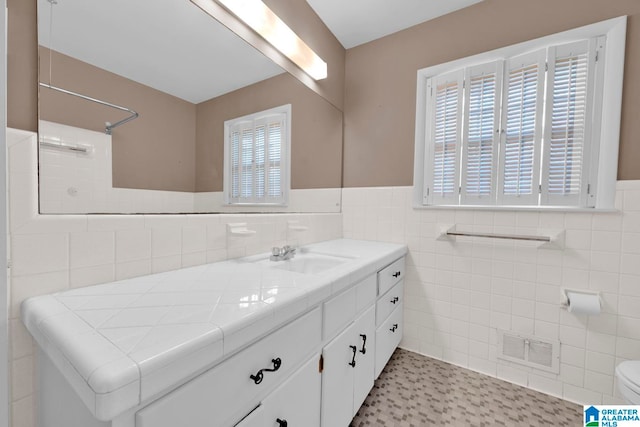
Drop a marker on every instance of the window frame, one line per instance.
(605, 155)
(285, 159)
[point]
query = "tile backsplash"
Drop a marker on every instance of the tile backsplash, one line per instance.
(50, 253)
(460, 291)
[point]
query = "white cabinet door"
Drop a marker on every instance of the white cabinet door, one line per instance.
(365, 333)
(347, 378)
(337, 380)
(388, 336)
(297, 401)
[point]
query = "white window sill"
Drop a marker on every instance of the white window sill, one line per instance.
(230, 205)
(516, 208)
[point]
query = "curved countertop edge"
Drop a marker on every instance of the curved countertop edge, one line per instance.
(117, 381)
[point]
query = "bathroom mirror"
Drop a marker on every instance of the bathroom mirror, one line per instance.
(132, 104)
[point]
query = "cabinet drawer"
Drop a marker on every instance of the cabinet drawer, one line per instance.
(340, 310)
(388, 336)
(365, 293)
(388, 302)
(226, 390)
(296, 402)
(390, 275)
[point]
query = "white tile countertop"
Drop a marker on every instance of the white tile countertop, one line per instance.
(121, 344)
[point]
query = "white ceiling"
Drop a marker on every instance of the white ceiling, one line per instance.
(355, 22)
(178, 49)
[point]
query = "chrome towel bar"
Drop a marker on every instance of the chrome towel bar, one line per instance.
(64, 147)
(500, 236)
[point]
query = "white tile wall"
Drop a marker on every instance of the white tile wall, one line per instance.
(459, 292)
(78, 183)
(50, 253)
(72, 181)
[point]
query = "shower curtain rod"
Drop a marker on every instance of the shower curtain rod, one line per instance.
(109, 127)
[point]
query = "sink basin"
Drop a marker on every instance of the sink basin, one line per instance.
(309, 263)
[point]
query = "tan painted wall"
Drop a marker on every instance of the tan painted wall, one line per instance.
(156, 151)
(22, 65)
(316, 132)
(305, 23)
(380, 78)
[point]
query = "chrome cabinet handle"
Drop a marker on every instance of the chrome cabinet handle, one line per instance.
(353, 360)
(395, 326)
(363, 350)
(281, 423)
(259, 376)
(396, 274)
(394, 300)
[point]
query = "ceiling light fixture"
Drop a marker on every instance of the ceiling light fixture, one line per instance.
(269, 26)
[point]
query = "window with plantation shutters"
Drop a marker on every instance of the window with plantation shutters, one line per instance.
(256, 167)
(446, 112)
(524, 127)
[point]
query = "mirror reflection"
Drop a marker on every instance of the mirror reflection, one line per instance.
(133, 104)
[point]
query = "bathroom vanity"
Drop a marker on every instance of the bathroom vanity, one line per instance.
(245, 342)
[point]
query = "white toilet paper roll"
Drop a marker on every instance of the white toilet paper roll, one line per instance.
(581, 303)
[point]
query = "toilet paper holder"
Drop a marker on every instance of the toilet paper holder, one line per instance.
(565, 296)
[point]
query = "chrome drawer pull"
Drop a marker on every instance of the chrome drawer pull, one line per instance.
(395, 326)
(396, 274)
(281, 423)
(394, 300)
(353, 361)
(363, 350)
(259, 376)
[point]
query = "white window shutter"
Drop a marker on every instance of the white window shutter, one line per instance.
(246, 163)
(259, 133)
(444, 115)
(234, 166)
(481, 133)
(270, 180)
(568, 118)
(241, 160)
(275, 150)
(522, 107)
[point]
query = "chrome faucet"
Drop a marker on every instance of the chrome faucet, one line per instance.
(282, 254)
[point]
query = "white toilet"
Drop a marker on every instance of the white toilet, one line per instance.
(628, 375)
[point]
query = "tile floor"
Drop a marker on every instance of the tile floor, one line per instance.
(417, 391)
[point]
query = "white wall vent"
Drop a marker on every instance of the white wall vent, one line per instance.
(529, 350)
